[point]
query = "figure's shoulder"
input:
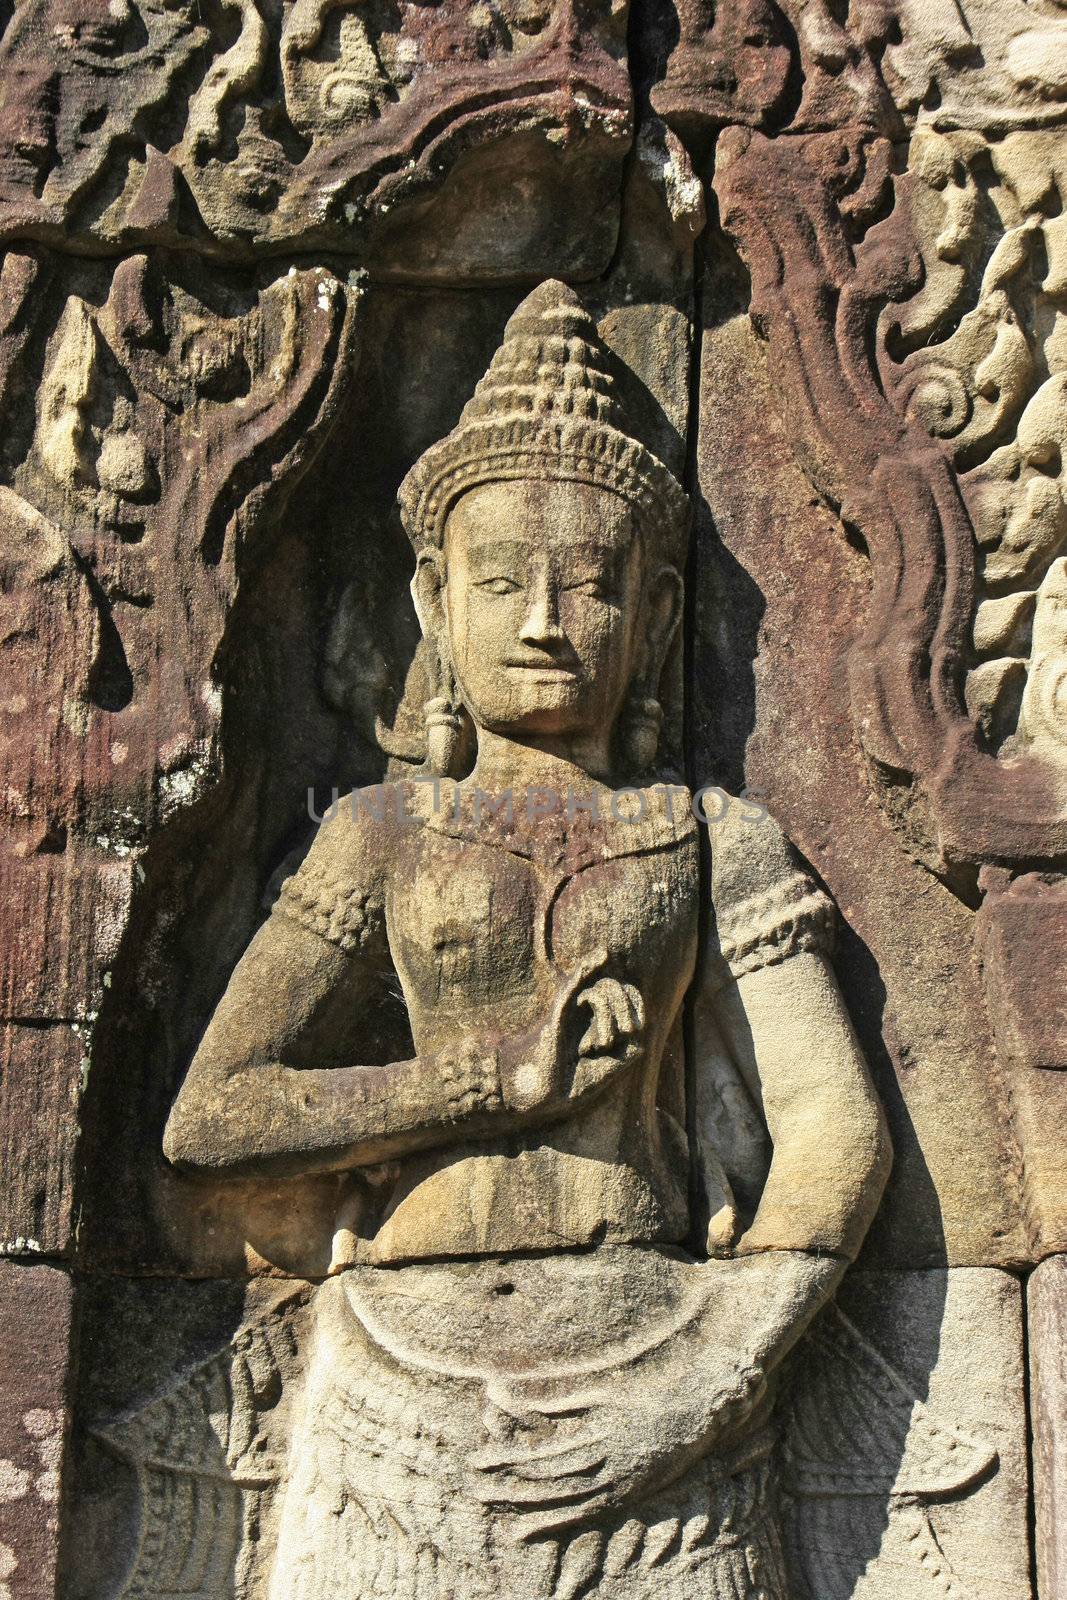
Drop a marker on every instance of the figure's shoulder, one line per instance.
(767, 904)
(749, 849)
(360, 829)
(338, 890)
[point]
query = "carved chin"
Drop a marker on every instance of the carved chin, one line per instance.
(548, 703)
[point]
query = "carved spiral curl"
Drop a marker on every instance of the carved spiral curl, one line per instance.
(937, 397)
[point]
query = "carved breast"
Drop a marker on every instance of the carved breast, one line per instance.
(463, 921)
(480, 932)
(642, 909)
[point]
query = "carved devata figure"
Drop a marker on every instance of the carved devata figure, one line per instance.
(521, 1382)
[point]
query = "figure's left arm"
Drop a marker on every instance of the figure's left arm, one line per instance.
(788, 1032)
(831, 1152)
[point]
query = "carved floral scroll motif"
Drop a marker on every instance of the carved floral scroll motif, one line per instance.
(160, 427)
(521, 1370)
(906, 244)
(900, 218)
(164, 430)
(897, 428)
(239, 131)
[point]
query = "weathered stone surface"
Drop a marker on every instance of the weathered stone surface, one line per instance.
(459, 1473)
(137, 487)
(863, 412)
(905, 1456)
(775, 620)
(985, 65)
(481, 1158)
(538, 1106)
(1046, 1295)
(42, 1070)
(901, 1451)
(338, 554)
(168, 1331)
(35, 1327)
(1023, 936)
(914, 312)
(442, 142)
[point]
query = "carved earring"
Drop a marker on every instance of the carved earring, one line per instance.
(444, 735)
(642, 727)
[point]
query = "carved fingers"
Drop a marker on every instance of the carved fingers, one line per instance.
(594, 1029)
(535, 1080)
(618, 1017)
(615, 1035)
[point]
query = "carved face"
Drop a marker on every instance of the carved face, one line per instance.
(542, 602)
(98, 27)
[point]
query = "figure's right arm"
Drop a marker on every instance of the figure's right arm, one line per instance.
(274, 1088)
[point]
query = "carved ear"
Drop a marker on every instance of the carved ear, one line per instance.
(663, 613)
(426, 591)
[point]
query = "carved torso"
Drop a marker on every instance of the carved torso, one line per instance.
(482, 915)
(482, 911)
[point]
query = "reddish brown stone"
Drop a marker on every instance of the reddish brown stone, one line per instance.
(61, 918)
(41, 1071)
(780, 601)
(730, 65)
(1023, 935)
(35, 1323)
(804, 213)
(442, 142)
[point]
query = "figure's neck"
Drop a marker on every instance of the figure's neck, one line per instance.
(563, 765)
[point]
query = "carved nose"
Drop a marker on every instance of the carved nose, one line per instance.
(541, 625)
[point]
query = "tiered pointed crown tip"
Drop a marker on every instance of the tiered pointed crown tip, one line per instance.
(547, 407)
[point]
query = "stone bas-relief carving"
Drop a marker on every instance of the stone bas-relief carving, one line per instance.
(905, 1460)
(359, 128)
(901, 1462)
(906, 275)
(541, 1087)
(964, 345)
(492, 1421)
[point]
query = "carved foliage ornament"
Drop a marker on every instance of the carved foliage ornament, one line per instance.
(167, 424)
(905, 239)
(916, 319)
(233, 130)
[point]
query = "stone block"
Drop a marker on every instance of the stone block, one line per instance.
(905, 1456)
(35, 1325)
(41, 1070)
(142, 1341)
(1047, 1328)
(1023, 935)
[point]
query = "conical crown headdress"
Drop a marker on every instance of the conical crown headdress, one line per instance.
(546, 408)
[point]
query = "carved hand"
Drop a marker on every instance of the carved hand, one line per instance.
(614, 1037)
(550, 1068)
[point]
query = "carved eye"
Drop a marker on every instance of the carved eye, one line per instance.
(592, 586)
(499, 585)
